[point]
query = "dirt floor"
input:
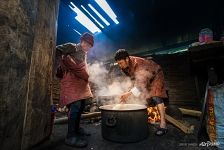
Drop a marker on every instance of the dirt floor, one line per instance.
(174, 139)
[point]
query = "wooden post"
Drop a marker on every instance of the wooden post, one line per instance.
(28, 39)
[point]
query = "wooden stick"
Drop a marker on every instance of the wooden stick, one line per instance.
(83, 116)
(202, 117)
(180, 125)
(190, 112)
(90, 115)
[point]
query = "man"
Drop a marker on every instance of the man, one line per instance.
(74, 85)
(148, 82)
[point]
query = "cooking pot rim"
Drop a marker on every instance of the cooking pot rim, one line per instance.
(107, 107)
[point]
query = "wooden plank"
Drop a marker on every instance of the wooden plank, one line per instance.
(181, 126)
(203, 110)
(190, 112)
(83, 116)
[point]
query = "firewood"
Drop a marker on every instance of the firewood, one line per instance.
(91, 115)
(180, 125)
(83, 116)
(190, 112)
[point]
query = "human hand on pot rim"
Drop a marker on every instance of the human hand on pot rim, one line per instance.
(125, 96)
(133, 91)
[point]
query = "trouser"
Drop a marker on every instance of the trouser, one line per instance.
(74, 115)
(154, 101)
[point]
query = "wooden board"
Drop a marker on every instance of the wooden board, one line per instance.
(190, 112)
(181, 126)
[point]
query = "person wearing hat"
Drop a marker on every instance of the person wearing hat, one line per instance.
(74, 85)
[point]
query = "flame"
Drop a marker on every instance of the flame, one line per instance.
(153, 115)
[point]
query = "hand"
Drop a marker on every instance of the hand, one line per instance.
(124, 97)
(72, 60)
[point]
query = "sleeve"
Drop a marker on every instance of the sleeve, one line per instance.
(79, 70)
(66, 48)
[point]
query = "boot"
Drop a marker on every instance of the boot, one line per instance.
(76, 141)
(73, 138)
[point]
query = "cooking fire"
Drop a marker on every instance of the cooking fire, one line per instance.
(153, 115)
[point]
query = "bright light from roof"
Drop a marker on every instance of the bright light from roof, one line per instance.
(77, 31)
(99, 15)
(92, 17)
(105, 6)
(84, 20)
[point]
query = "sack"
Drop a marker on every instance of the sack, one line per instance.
(59, 72)
(215, 113)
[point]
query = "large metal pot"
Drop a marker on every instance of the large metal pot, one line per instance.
(124, 122)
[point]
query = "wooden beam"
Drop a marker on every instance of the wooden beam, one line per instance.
(181, 126)
(83, 116)
(91, 115)
(190, 112)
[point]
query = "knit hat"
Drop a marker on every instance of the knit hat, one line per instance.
(88, 38)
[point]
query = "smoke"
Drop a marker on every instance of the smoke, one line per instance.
(98, 74)
(109, 87)
(105, 83)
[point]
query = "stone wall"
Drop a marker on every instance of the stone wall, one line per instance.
(27, 41)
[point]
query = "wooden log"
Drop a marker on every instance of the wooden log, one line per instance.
(91, 115)
(181, 126)
(202, 117)
(83, 116)
(190, 112)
